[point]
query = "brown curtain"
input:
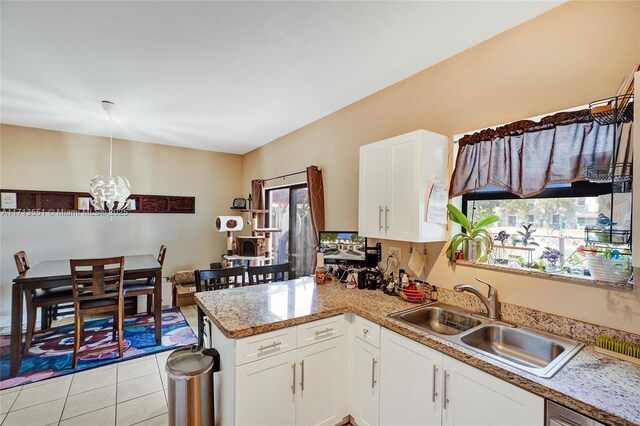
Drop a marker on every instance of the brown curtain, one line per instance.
(525, 156)
(257, 200)
(316, 203)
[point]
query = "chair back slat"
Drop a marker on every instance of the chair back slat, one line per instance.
(216, 279)
(97, 278)
(161, 254)
(269, 273)
(22, 262)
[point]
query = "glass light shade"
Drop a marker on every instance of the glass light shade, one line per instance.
(110, 193)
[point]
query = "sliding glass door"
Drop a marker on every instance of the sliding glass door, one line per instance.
(289, 211)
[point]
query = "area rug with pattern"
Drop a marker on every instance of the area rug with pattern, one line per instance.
(51, 353)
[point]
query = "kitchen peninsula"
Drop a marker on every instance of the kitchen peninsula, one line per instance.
(259, 323)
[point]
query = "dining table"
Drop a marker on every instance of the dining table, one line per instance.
(57, 273)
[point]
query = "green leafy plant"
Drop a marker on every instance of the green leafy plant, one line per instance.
(526, 237)
(471, 234)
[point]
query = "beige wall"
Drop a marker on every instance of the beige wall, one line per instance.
(569, 56)
(48, 160)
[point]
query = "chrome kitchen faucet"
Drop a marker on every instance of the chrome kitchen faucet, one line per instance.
(491, 302)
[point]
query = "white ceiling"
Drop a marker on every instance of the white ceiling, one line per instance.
(222, 76)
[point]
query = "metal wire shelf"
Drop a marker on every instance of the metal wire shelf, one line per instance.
(618, 172)
(597, 236)
(618, 109)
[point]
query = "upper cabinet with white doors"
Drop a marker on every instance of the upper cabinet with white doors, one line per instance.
(396, 177)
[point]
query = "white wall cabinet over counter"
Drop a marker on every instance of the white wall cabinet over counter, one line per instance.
(396, 176)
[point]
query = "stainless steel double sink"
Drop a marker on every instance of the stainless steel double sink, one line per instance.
(535, 352)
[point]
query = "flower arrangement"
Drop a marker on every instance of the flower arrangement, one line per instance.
(551, 256)
(502, 236)
(592, 251)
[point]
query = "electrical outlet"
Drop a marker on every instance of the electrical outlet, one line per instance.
(395, 252)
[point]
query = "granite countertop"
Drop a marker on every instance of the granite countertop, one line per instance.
(604, 388)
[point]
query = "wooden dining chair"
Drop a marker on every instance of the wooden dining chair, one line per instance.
(216, 279)
(269, 273)
(97, 289)
(145, 287)
(45, 299)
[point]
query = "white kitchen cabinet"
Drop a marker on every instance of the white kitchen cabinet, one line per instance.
(321, 396)
(366, 384)
(372, 200)
(410, 381)
(421, 386)
(295, 375)
(301, 376)
(473, 397)
(264, 391)
(396, 176)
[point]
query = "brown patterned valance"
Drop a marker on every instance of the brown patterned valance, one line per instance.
(525, 156)
(522, 126)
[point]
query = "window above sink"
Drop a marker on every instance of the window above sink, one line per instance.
(559, 230)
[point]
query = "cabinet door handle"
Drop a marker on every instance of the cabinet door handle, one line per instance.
(271, 346)
(379, 218)
(326, 330)
(302, 375)
(373, 373)
(293, 385)
(446, 397)
(433, 388)
(386, 218)
(365, 331)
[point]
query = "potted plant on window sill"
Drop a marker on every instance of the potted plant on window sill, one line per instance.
(609, 265)
(550, 260)
(475, 241)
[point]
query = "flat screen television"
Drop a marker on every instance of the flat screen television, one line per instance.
(342, 247)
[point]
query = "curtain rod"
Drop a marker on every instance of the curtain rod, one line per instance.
(287, 175)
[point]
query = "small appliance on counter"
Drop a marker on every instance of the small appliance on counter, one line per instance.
(371, 279)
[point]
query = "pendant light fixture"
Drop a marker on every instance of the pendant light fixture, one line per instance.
(110, 193)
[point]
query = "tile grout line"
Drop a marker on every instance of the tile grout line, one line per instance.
(13, 403)
(11, 410)
(150, 418)
(115, 416)
(73, 376)
(34, 405)
(164, 389)
(139, 396)
(84, 414)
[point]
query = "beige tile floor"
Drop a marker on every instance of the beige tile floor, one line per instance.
(126, 393)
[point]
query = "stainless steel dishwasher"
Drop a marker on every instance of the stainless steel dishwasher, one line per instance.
(557, 415)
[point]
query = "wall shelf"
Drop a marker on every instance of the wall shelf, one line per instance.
(63, 201)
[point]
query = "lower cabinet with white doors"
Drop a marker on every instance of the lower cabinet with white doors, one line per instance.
(421, 386)
(365, 396)
(410, 382)
(293, 376)
(303, 375)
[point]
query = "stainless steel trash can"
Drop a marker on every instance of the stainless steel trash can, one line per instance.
(190, 378)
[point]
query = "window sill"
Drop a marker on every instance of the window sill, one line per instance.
(556, 277)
